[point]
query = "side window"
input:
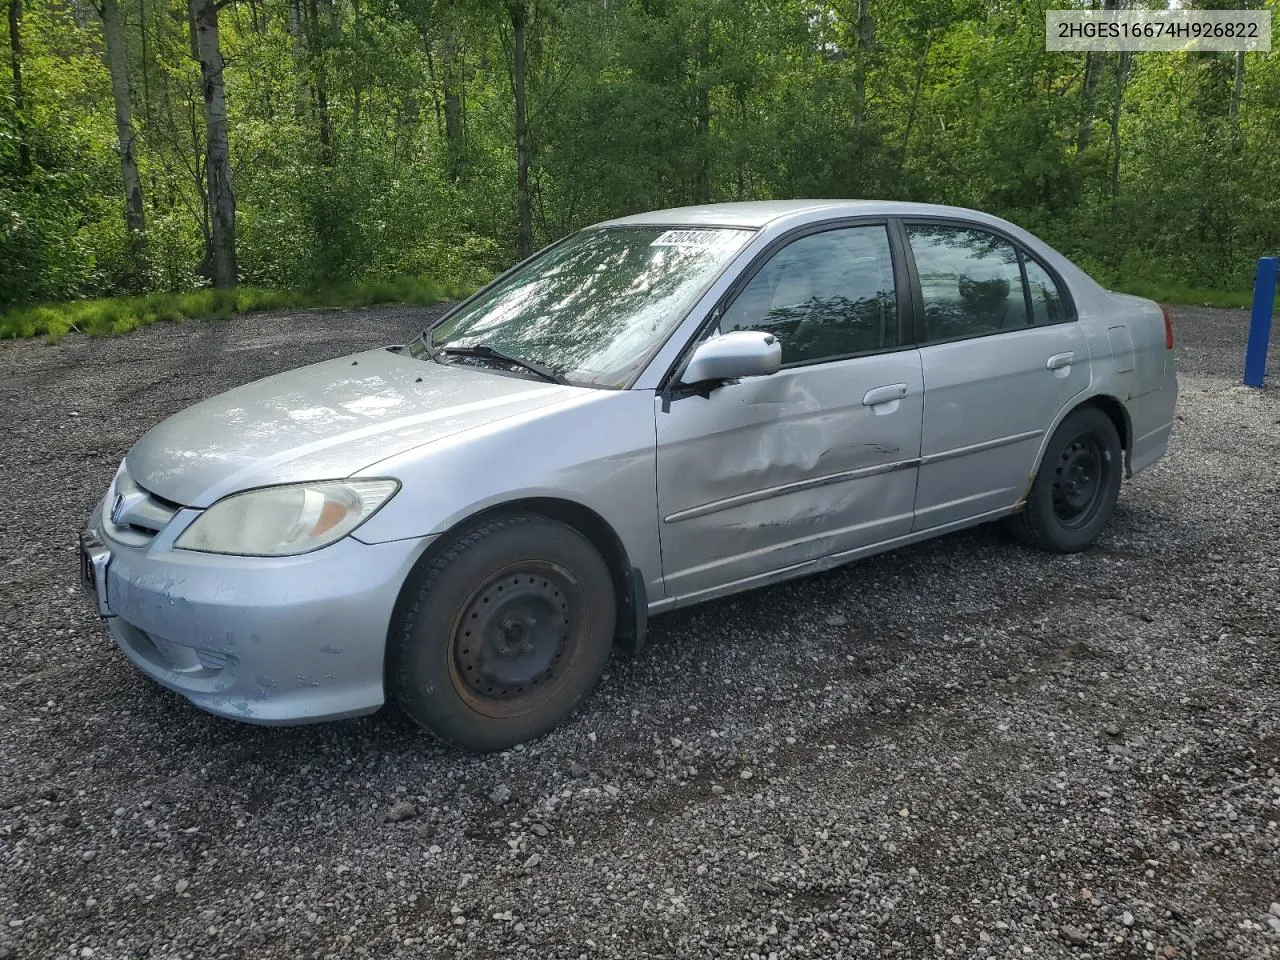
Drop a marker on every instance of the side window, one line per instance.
(970, 280)
(824, 295)
(1046, 302)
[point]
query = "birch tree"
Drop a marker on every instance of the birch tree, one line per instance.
(117, 57)
(221, 255)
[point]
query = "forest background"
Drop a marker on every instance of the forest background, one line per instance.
(169, 158)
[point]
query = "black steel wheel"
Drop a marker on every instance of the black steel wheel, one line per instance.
(513, 634)
(1075, 490)
(505, 631)
(1078, 486)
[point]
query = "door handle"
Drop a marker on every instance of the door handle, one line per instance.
(1060, 360)
(878, 395)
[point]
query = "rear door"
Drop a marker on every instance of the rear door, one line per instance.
(1002, 355)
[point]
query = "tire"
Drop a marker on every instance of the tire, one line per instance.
(1075, 490)
(504, 632)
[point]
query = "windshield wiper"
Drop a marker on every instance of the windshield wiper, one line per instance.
(425, 343)
(486, 352)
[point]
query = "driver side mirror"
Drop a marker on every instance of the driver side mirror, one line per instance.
(730, 356)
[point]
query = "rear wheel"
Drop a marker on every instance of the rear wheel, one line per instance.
(506, 630)
(1075, 490)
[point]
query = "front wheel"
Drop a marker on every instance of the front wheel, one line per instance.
(1075, 490)
(504, 632)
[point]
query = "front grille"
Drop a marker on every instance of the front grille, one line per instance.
(134, 513)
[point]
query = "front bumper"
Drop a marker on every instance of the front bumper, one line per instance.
(265, 640)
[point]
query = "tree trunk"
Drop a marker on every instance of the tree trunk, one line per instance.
(1122, 78)
(434, 77)
(865, 29)
(296, 25)
(1087, 96)
(357, 92)
(222, 200)
(524, 206)
(451, 80)
(1089, 90)
(702, 118)
(913, 109)
(126, 141)
(740, 98)
(319, 82)
(146, 73)
(19, 99)
(1237, 88)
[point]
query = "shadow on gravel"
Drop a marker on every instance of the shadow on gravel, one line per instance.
(726, 665)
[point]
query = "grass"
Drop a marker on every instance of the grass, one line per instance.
(116, 315)
(1179, 294)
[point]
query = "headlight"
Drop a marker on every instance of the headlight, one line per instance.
(288, 520)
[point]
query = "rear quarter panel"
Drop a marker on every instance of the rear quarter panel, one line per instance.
(1132, 363)
(1144, 321)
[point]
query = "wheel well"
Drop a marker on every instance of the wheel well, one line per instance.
(583, 519)
(1114, 409)
(602, 536)
(1119, 417)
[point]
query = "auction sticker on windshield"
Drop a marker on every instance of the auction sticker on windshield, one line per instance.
(697, 238)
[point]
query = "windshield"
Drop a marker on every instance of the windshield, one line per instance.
(592, 308)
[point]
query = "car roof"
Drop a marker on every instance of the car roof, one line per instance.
(785, 214)
(760, 213)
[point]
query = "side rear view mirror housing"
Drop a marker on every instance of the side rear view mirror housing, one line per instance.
(733, 355)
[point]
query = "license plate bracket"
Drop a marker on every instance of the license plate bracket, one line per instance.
(94, 557)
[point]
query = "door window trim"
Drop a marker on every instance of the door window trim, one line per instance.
(1064, 293)
(905, 303)
(920, 339)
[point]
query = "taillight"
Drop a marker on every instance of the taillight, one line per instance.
(1168, 329)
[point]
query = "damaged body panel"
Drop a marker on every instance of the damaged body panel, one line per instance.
(711, 398)
(266, 640)
(786, 468)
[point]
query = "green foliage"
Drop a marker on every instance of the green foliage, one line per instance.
(375, 140)
(1181, 294)
(115, 315)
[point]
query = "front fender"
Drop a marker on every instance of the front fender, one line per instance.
(595, 450)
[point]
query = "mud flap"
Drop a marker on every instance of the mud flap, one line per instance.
(634, 621)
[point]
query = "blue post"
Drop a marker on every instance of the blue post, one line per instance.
(1264, 301)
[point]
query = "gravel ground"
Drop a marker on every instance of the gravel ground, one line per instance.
(959, 749)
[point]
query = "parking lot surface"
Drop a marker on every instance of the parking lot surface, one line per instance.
(962, 748)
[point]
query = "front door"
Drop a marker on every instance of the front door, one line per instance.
(774, 473)
(1002, 355)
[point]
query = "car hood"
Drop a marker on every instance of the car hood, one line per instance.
(324, 421)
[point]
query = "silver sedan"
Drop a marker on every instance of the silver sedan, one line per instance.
(652, 412)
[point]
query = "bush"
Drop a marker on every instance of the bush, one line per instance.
(116, 315)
